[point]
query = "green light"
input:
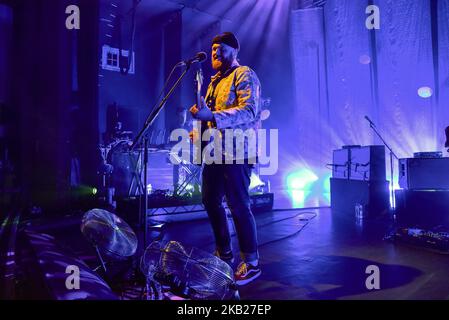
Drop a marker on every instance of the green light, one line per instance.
(94, 191)
(298, 197)
(301, 180)
(327, 183)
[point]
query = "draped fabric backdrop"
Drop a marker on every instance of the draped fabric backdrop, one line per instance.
(443, 67)
(351, 72)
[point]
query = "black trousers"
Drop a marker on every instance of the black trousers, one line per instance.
(230, 181)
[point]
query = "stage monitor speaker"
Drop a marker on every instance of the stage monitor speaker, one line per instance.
(424, 173)
(360, 163)
(372, 195)
(427, 210)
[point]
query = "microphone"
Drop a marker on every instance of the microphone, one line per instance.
(370, 122)
(199, 57)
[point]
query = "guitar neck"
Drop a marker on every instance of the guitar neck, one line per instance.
(198, 84)
(198, 99)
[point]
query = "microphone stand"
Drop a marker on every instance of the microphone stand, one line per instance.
(148, 122)
(392, 154)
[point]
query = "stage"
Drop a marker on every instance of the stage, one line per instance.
(134, 134)
(306, 254)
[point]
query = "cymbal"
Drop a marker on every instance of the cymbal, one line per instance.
(109, 233)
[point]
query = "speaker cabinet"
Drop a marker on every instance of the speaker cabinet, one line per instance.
(360, 163)
(423, 209)
(372, 195)
(424, 174)
(340, 164)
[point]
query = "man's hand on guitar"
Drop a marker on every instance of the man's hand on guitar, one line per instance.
(203, 113)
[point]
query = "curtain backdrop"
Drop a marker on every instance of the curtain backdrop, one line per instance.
(369, 72)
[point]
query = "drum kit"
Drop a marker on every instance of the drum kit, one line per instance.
(109, 235)
(121, 171)
(121, 168)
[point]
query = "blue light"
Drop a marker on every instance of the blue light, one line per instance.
(365, 59)
(425, 92)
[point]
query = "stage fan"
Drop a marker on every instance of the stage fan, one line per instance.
(109, 234)
(189, 272)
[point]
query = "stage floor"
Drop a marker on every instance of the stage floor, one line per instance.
(307, 254)
(315, 254)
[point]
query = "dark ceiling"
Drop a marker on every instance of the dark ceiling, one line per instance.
(198, 15)
(230, 10)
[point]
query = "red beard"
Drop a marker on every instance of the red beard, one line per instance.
(216, 64)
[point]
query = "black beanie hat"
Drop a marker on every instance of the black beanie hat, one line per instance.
(227, 38)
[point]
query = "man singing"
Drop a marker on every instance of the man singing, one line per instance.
(232, 102)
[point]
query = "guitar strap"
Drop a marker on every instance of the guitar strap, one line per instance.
(210, 99)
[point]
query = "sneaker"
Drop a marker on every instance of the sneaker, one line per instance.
(246, 273)
(227, 257)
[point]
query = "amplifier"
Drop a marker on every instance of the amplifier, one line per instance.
(372, 195)
(432, 154)
(423, 209)
(340, 164)
(424, 173)
(359, 163)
